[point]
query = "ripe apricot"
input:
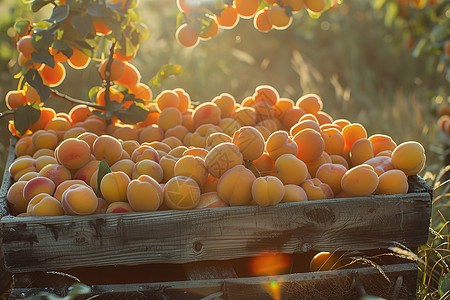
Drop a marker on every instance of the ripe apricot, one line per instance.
(316, 190)
(331, 174)
(119, 207)
(360, 181)
(361, 151)
(147, 167)
(53, 76)
(78, 60)
(16, 199)
(228, 17)
(182, 193)
(57, 173)
(216, 139)
(278, 17)
(246, 8)
(193, 167)
(210, 200)
(223, 157)
(226, 104)
(187, 36)
(250, 142)
(246, 116)
(324, 261)
(15, 98)
(79, 199)
(316, 6)
(167, 98)
(280, 143)
(304, 124)
(73, 153)
(235, 186)
(44, 160)
(25, 46)
(206, 113)
(392, 182)
(44, 205)
(267, 190)
(212, 30)
(114, 186)
(65, 185)
(261, 20)
(229, 126)
(310, 103)
(117, 69)
(290, 169)
(37, 186)
(310, 145)
(169, 117)
(144, 194)
(107, 148)
(293, 193)
(44, 139)
(381, 142)
(351, 133)
(408, 155)
(291, 117)
(145, 151)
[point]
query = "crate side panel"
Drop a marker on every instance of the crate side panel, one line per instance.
(33, 243)
(316, 285)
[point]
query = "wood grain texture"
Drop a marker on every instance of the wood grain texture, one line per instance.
(7, 180)
(360, 223)
(316, 285)
(209, 270)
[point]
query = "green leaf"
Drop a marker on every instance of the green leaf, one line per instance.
(98, 10)
(38, 4)
(25, 115)
(103, 169)
(22, 26)
(78, 289)
(92, 94)
(83, 24)
(137, 112)
(59, 14)
(439, 32)
(391, 13)
(444, 285)
(420, 46)
(33, 78)
(164, 73)
(63, 47)
(43, 57)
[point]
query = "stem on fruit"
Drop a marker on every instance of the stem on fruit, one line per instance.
(108, 73)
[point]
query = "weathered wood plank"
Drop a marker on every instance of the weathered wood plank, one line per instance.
(209, 270)
(360, 223)
(7, 180)
(316, 285)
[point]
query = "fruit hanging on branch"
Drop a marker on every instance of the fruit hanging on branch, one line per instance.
(201, 19)
(74, 36)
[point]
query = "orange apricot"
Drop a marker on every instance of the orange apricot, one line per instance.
(381, 142)
(360, 181)
(44, 205)
(228, 17)
(223, 157)
(392, 182)
(116, 69)
(114, 186)
(57, 173)
(192, 167)
(226, 104)
(181, 193)
(310, 145)
(107, 148)
(187, 36)
(316, 189)
(351, 133)
(261, 20)
(408, 155)
(267, 190)
(73, 153)
(169, 117)
(250, 142)
(279, 17)
(291, 117)
(290, 169)
(144, 194)
(280, 143)
(293, 193)
(235, 186)
(167, 98)
(78, 60)
(331, 174)
(206, 113)
(361, 151)
(16, 199)
(79, 199)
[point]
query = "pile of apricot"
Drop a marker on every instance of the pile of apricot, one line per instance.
(263, 151)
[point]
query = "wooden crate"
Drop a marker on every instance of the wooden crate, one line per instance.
(34, 244)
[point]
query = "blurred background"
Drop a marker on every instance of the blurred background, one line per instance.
(357, 57)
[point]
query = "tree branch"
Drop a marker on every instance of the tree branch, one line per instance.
(60, 95)
(108, 73)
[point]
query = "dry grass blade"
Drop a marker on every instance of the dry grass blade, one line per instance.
(373, 264)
